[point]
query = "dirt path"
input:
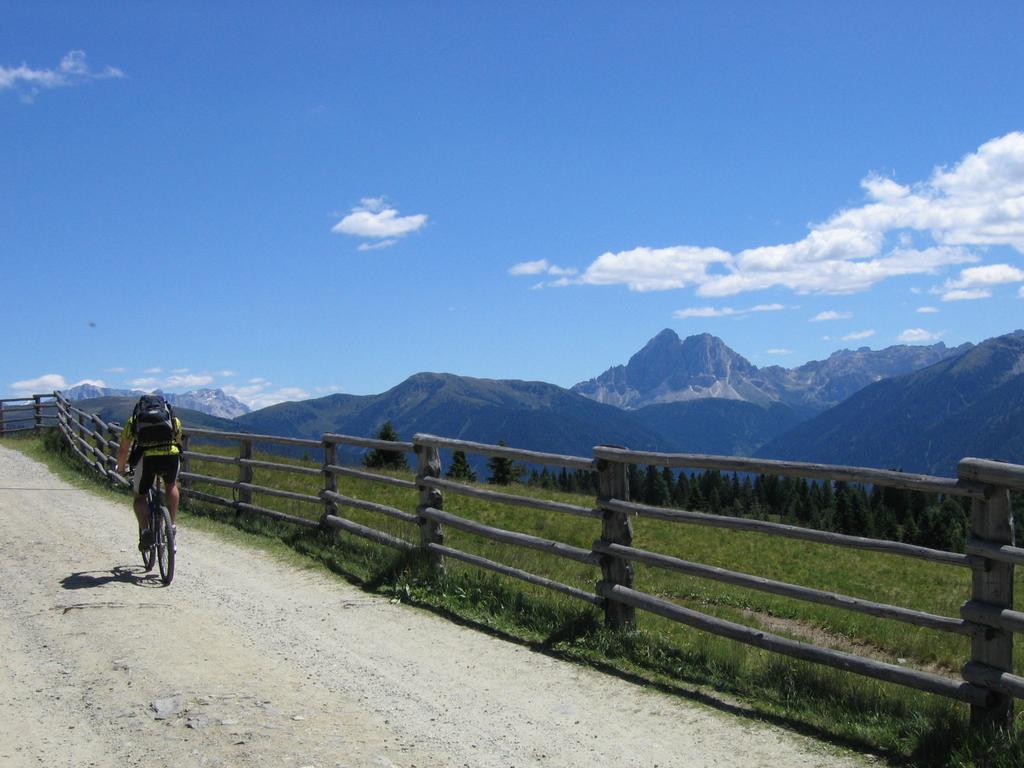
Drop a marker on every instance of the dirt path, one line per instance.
(254, 663)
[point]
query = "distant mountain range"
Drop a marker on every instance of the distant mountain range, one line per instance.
(968, 405)
(117, 408)
(214, 402)
(525, 414)
(919, 408)
(669, 370)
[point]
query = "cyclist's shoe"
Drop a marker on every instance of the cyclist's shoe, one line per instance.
(174, 533)
(145, 540)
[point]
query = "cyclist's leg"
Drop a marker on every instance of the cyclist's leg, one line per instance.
(171, 494)
(143, 482)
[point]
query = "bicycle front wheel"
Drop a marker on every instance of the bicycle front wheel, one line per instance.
(165, 546)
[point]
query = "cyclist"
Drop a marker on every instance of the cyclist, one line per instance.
(151, 445)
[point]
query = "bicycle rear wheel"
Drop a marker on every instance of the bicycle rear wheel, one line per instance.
(149, 553)
(165, 546)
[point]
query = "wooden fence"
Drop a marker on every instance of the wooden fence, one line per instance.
(19, 414)
(988, 619)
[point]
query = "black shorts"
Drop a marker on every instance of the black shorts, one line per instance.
(150, 466)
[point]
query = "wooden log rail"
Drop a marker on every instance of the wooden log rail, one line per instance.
(988, 619)
(504, 452)
(789, 532)
(28, 413)
(922, 681)
(807, 594)
(798, 469)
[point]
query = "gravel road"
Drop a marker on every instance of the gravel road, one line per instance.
(245, 661)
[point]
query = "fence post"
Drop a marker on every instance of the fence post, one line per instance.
(244, 472)
(81, 431)
(186, 467)
(613, 483)
(992, 584)
(2, 425)
(37, 410)
(330, 485)
(113, 436)
(428, 464)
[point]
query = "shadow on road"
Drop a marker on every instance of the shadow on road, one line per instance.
(124, 574)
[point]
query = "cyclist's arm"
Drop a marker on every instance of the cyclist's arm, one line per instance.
(122, 451)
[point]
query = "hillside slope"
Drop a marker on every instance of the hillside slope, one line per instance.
(969, 405)
(525, 414)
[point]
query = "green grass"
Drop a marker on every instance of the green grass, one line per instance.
(903, 726)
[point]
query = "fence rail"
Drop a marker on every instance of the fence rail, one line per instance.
(21, 414)
(988, 618)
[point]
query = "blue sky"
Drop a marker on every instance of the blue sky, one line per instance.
(289, 200)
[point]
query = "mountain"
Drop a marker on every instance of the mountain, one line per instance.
(90, 391)
(671, 370)
(119, 408)
(718, 426)
(525, 414)
(214, 402)
(968, 405)
(821, 384)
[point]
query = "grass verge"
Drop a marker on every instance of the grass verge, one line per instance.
(896, 724)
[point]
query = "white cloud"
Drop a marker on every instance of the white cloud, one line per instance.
(257, 394)
(725, 311)
(174, 381)
(857, 335)
(538, 267)
(116, 370)
(976, 282)
(93, 382)
(553, 270)
(966, 295)
(372, 218)
(71, 71)
(153, 370)
(377, 246)
(985, 277)
(927, 310)
(978, 202)
(654, 269)
(704, 312)
(882, 189)
(542, 267)
(918, 336)
(188, 380)
(831, 314)
(779, 351)
(48, 382)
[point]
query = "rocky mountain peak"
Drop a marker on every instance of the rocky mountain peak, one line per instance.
(669, 369)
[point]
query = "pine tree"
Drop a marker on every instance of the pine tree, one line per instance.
(460, 469)
(656, 492)
(383, 459)
(681, 491)
(503, 471)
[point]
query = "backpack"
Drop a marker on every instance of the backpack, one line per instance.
(153, 425)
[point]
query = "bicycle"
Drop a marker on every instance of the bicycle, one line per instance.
(161, 549)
